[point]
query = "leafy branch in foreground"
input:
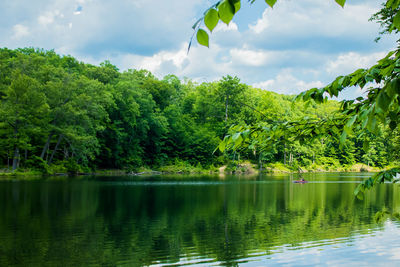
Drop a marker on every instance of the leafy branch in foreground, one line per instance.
(265, 135)
(390, 175)
(380, 107)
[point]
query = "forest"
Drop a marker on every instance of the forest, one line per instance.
(60, 115)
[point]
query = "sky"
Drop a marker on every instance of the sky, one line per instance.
(297, 45)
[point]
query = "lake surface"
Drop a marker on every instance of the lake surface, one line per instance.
(203, 221)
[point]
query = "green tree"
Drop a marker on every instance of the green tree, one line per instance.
(23, 109)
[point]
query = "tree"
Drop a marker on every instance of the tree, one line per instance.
(22, 108)
(228, 89)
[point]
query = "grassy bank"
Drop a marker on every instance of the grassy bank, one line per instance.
(281, 168)
(182, 167)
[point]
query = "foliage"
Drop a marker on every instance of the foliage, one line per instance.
(380, 108)
(60, 115)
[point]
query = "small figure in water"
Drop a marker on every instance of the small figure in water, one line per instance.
(302, 179)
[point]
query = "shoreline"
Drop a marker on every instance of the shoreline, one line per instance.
(242, 169)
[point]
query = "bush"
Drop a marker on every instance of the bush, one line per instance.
(58, 167)
(72, 166)
(306, 162)
(329, 163)
(38, 164)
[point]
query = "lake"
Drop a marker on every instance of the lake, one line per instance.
(197, 220)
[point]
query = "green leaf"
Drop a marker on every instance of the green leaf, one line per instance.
(384, 101)
(386, 71)
(341, 2)
(360, 196)
(238, 141)
(211, 19)
(359, 189)
(390, 89)
(343, 138)
(221, 146)
(202, 37)
(396, 20)
(371, 126)
(226, 11)
(235, 136)
(271, 3)
(235, 4)
(369, 78)
(349, 124)
(389, 3)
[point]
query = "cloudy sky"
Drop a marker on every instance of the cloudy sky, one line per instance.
(295, 46)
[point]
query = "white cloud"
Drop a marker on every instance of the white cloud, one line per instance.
(265, 84)
(261, 24)
(20, 31)
(314, 17)
(49, 17)
(286, 83)
(177, 62)
(153, 63)
(250, 57)
(349, 62)
(295, 46)
(222, 27)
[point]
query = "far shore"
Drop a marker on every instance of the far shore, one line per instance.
(245, 168)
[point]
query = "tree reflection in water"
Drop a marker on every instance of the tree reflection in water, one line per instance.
(87, 221)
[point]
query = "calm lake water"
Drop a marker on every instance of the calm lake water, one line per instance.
(166, 220)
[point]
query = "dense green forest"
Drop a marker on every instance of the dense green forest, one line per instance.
(58, 114)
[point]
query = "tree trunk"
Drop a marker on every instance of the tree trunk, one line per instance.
(226, 107)
(55, 149)
(66, 153)
(46, 146)
(284, 155)
(15, 159)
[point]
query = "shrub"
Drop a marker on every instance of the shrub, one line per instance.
(37, 163)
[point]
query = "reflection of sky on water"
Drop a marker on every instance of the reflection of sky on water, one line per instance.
(380, 247)
(377, 248)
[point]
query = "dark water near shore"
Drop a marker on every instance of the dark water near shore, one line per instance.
(255, 221)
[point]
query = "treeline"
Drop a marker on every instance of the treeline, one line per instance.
(57, 113)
